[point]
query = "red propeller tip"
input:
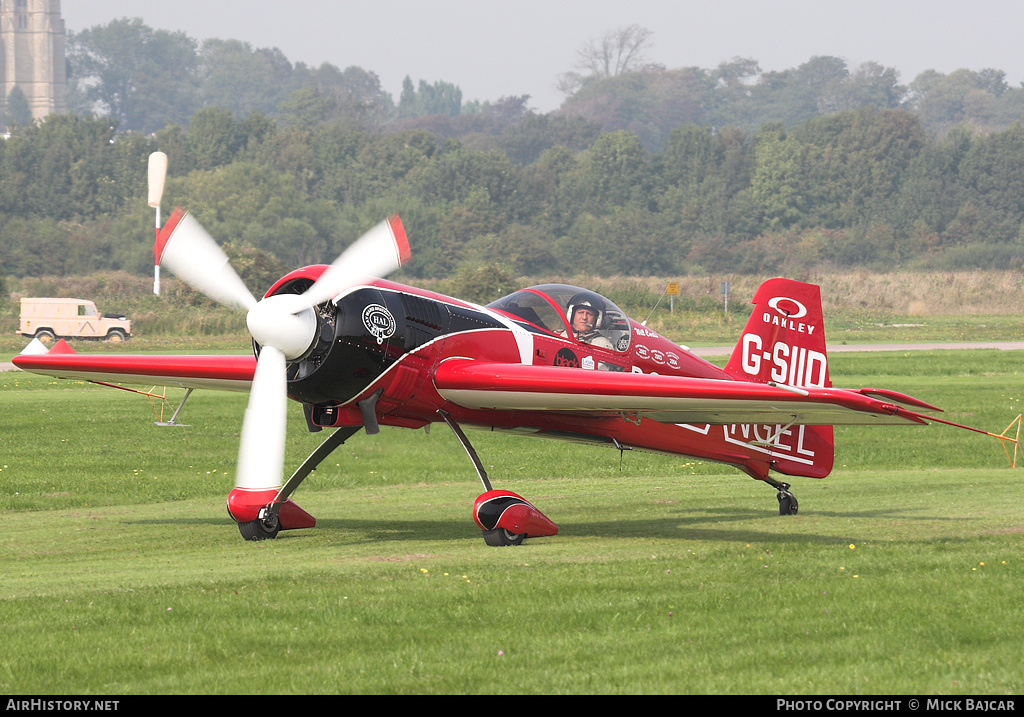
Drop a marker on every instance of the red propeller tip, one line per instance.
(401, 240)
(164, 235)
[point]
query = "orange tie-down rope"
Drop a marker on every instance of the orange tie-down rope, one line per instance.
(1003, 437)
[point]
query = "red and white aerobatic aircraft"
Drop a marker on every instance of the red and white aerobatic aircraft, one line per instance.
(554, 361)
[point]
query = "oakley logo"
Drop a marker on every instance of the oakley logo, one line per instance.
(790, 308)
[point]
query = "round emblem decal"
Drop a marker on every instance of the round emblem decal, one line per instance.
(379, 322)
(790, 308)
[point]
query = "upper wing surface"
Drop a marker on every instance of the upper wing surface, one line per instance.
(667, 399)
(224, 372)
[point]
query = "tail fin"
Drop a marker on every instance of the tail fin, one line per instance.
(784, 343)
(784, 339)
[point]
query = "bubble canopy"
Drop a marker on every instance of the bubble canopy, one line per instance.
(549, 308)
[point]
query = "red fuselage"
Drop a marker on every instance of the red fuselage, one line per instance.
(390, 339)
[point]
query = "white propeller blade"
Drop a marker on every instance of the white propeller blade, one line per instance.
(192, 254)
(261, 452)
(377, 253)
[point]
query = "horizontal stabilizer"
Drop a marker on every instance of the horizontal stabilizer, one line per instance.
(900, 398)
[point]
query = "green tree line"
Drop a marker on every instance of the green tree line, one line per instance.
(643, 171)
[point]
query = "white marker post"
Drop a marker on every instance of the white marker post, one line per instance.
(157, 175)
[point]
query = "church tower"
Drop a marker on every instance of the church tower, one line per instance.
(32, 41)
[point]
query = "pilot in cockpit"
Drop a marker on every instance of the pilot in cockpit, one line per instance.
(586, 314)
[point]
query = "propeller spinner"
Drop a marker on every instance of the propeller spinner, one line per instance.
(285, 327)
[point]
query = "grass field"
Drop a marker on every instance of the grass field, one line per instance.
(122, 573)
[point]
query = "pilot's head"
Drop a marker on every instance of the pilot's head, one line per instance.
(585, 313)
(584, 319)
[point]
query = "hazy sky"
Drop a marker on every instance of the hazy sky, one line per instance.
(515, 47)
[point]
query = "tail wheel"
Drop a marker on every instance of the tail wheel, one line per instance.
(787, 503)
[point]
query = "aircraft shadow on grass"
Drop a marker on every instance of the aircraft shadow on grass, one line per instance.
(696, 524)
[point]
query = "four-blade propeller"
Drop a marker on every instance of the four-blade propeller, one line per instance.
(285, 325)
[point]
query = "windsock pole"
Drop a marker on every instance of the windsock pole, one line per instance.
(156, 259)
(157, 175)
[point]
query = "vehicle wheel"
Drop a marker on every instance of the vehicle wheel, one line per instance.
(500, 537)
(787, 504)
(116, 336)
(46, 336)
(259, 529)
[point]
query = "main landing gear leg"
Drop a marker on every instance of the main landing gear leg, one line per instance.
(504, 517)
(787, 501)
